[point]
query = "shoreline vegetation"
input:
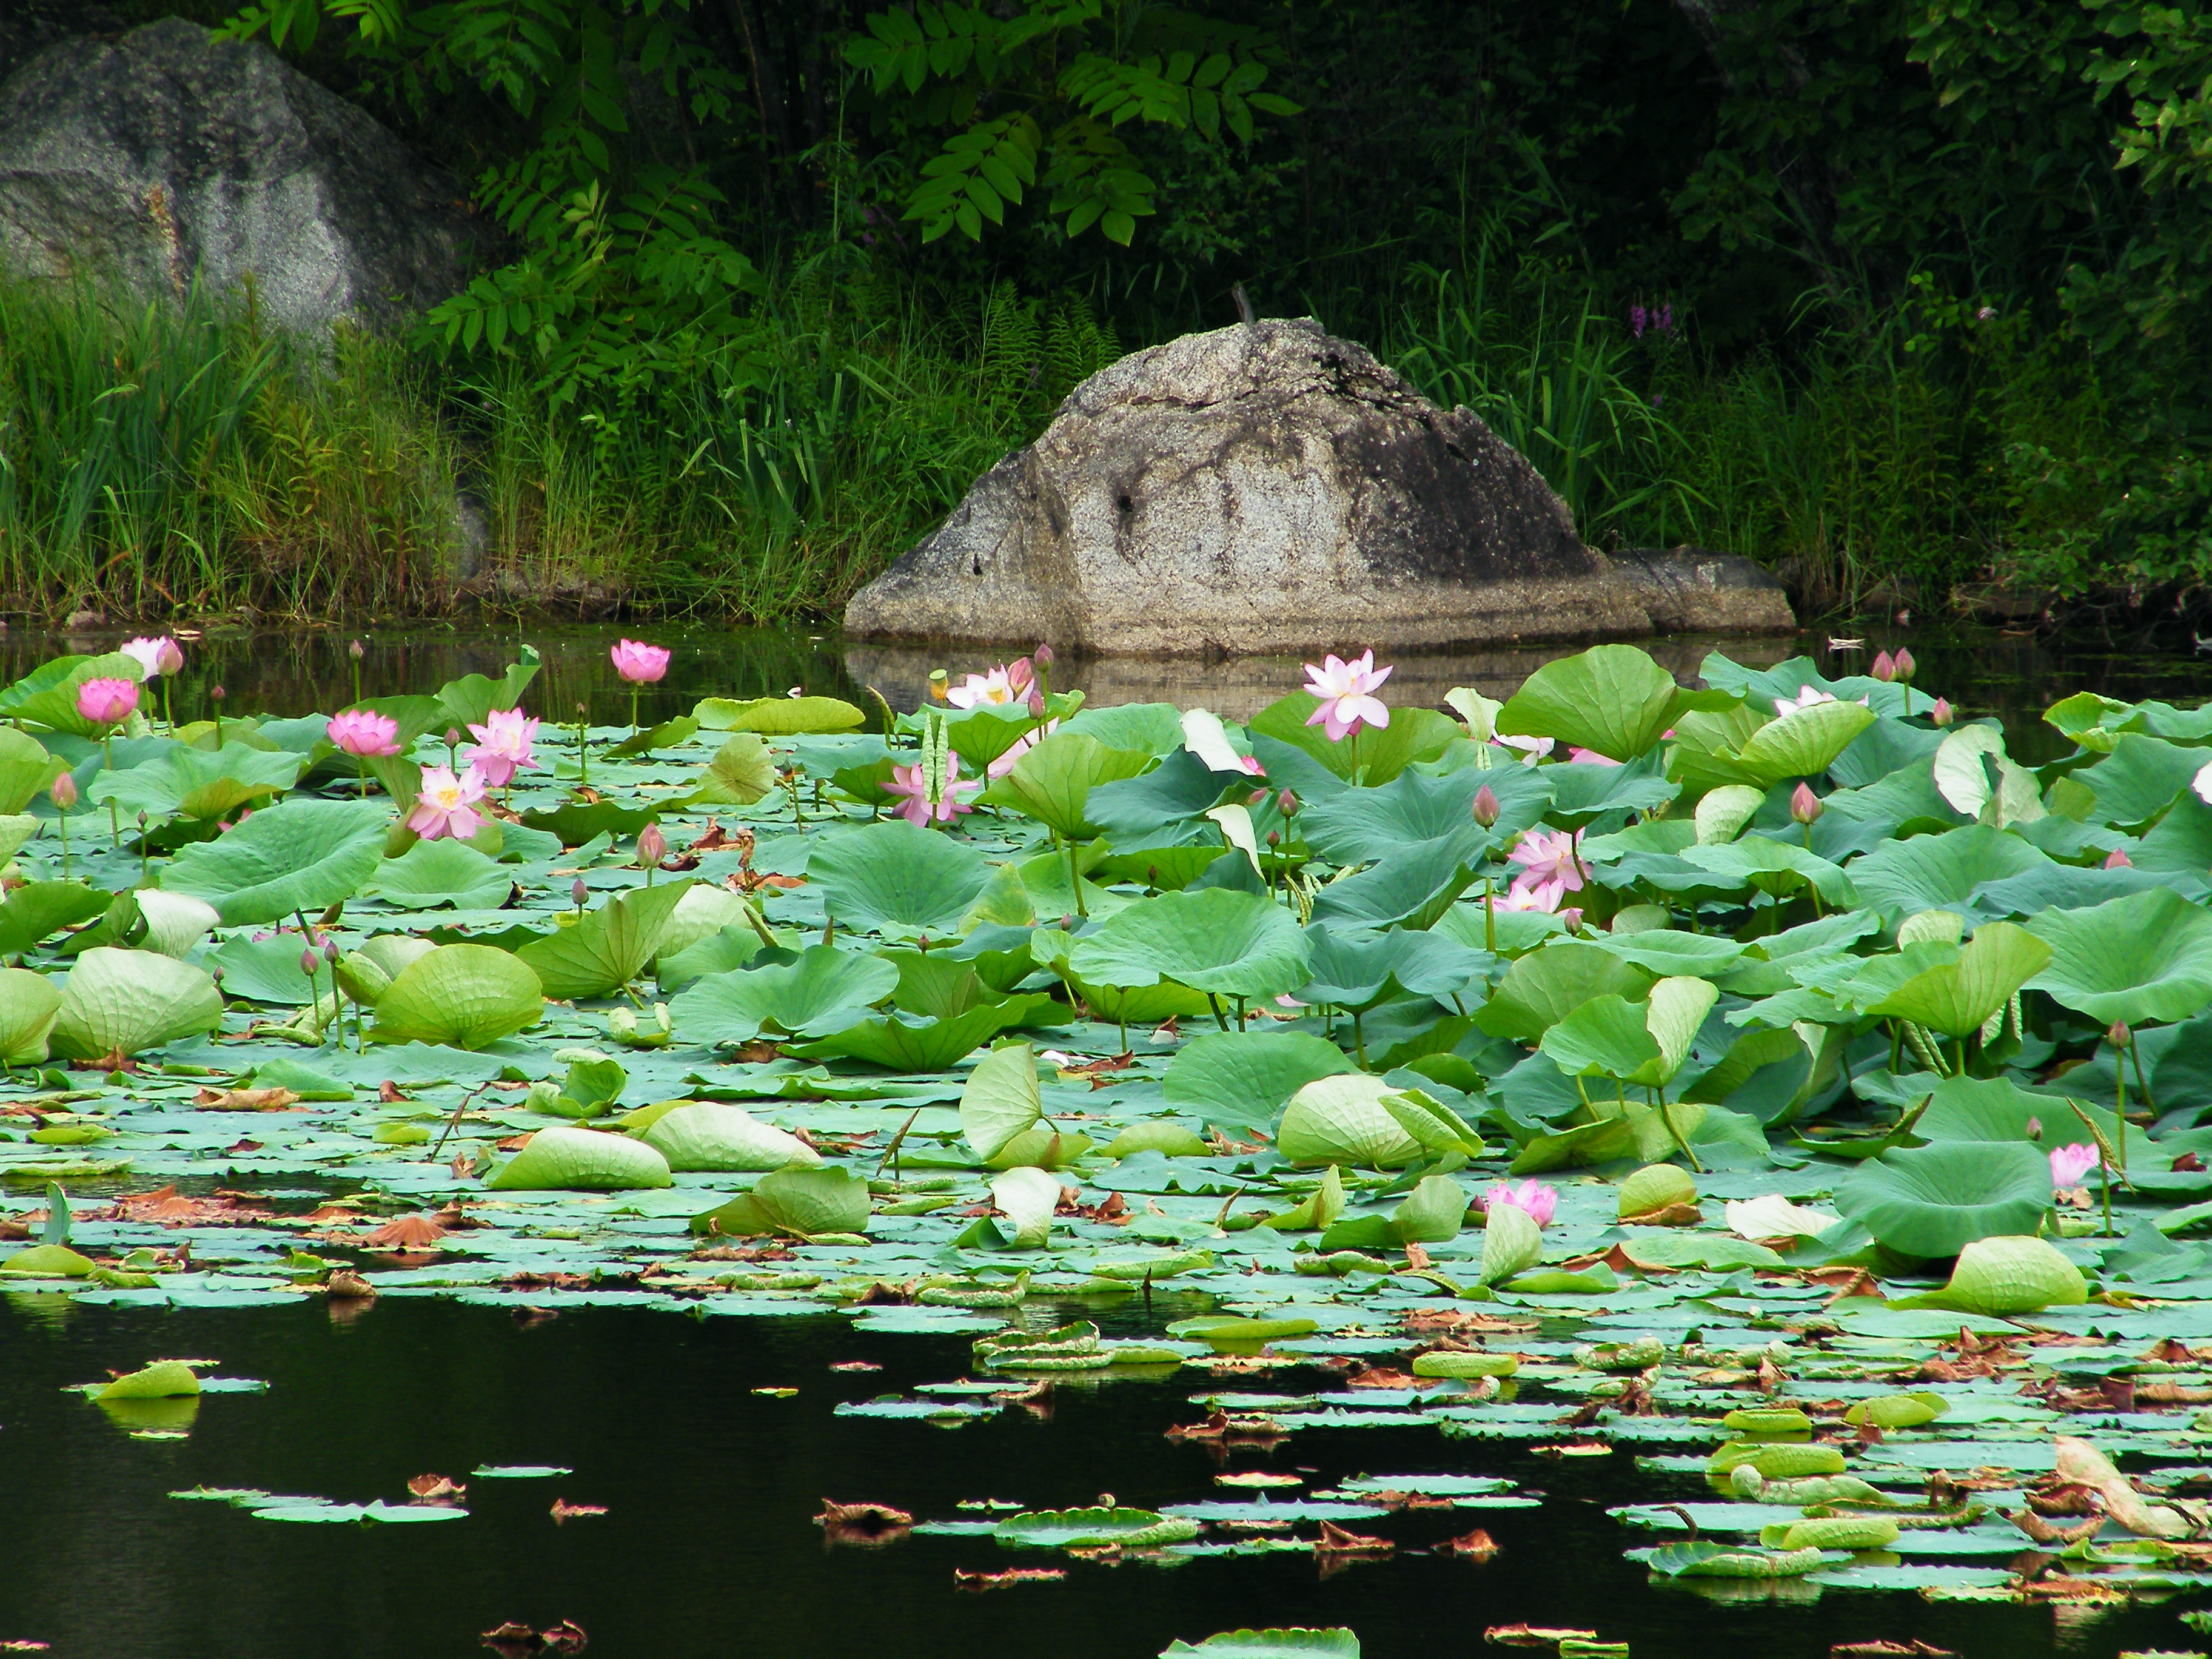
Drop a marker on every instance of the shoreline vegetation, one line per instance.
(1894, 414)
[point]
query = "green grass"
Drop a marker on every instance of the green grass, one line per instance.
(183, 460)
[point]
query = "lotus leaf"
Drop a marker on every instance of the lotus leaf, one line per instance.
(2147, 957)
(1413, 734)
(165, 1379)
(463, 995)
(1612, 699)
(1935, 1200)
(713, 1137)
(741, 772)
(1027, 1197)
(434, 873)
(1939, 872)
(2002, 1277)
(1052, 781)
(580, 1161)
(29, 1004)
(777, 716)
(821, 991)
(1961, 995)
(1342, 1120)
(197, 783)
(1546, 986)
(1898, 1411)
(298, 855)
(1295, 1643)
(608, 947)
(1511, 1242)
(1001, 1098)
(795, 1200)
(1217, 941)
(1095, 1528)
(703, 911)
(39, 909)
(125, 1002)
(1240, 1080)
(894, 878)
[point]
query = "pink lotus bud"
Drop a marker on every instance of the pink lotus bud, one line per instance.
(170, 659)
(2035, 1129)
(1287, 804)
(1256, 798)
(639, 663)
(1035, 702)
(216, 694)
(1274, 838)
(580, 893)
(1943, 713)
(1884, 667)
(2120, 1037)
(1486, 809)
(330, 950)
(2120, 859)
(364, 732)
(310, 964)
(63, 790)
(1041, 656)
(652, 845)
(1573, 917)
(1805, 806)
(107, 703)
(356, 651)
(1904, 665)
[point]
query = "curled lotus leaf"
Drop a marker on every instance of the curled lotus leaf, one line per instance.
(125, 1002)
(463, 995)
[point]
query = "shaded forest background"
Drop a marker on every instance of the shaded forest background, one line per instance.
(1905, 299)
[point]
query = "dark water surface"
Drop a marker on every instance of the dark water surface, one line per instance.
(709, 1548)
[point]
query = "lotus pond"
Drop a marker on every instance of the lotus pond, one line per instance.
(1629, 1166)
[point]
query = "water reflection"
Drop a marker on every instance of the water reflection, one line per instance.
(1982, 671)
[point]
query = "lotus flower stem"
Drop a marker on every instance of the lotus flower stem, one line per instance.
(1074, 878)
(1489, 920)
(62, 818)
(108, 764)
(1359, 1039)
(1666, 1116)
(1219, 1019)
(2143, 1086)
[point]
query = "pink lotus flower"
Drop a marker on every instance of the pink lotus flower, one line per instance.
(639, 663)
(2120, 859)
(1526, 894)
(364, 732)
(1591, 757)
(1346, 690)
(502, 745)
(155, 657)
(1022, 745)
(447, 804)
(1808, 697)
(1532, 1196)
(107, 703)
(2070, 1165)
(1001, 688)
(1546, 856)
(1532, 749)
(917, 808)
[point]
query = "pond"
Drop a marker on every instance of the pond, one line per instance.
(937, 1160)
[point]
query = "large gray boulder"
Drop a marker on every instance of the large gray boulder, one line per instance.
(165, 155)
(1263, 488)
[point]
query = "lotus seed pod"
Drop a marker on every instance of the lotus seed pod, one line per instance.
(1654, 1187)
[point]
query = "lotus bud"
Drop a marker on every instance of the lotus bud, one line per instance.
(452, 737)
(1487, 812)
(2120, 1037)
(1805, 806)
(170, 659)
(651, 845)
(215, 974)
(1067, 923)
(1287, 804)
(142, 820)
(580, 893)
(216, 694)
(1256, 798)
(1943, 713)
(2120, 859)
(1573, 918)
(356, 651)
(1884, 667)
(1041, 656)
(1035, 702)
(330, 951)
(1274, 838)
(2035, 1129)
(1905, 665)
(63, 790)
(310, 961)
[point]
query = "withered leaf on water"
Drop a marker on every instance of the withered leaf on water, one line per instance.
(965, 1579)
(564, 1511)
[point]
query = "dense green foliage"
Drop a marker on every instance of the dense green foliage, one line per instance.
(1921, 285)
